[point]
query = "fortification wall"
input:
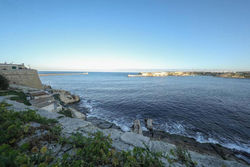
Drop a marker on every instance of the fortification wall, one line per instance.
(25, 77)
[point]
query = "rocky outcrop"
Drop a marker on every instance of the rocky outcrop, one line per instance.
(149, 124)
(66, 97)
(77, 114)
(136, 128)
(102, 123)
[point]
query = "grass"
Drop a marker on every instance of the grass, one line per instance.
(183, 156)
(19, 96)
(66, 112)
(14, 127)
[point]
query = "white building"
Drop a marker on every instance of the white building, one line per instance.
(5, 66)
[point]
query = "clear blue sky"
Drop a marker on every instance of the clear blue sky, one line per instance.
(126, 34)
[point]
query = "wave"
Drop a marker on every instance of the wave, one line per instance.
(179, 129)
(170, 127)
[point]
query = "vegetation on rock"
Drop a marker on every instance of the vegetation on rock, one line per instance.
(19, 96)
(184, 157)
(25, 139)
(4, 83)
(66, 112)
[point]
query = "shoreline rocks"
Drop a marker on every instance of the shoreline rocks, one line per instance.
(66, 97)
(202, 148)
(149, 124)
(136, 128)
(77, 114)
(102, 124)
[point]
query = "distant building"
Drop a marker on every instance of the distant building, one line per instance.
(5, 66)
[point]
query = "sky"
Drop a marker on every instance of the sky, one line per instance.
(126, 35)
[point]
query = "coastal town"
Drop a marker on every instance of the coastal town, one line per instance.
(27, 93)
(242, 74)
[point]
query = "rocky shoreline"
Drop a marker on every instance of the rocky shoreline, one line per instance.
(204, 154)
(178, 140)
(187, 142)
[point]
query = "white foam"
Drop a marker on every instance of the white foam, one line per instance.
(170, 127)
(174, 128)
(122, 126)
(178, 128)
(201, 139)
(243, 147)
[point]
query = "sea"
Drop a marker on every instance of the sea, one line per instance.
(208, 109)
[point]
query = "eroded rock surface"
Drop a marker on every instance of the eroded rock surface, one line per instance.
(66, 97)
(77, 114)
(136, 128)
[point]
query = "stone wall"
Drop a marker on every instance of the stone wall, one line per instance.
(25, 77)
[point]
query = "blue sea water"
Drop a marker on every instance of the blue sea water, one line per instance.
(209, 109)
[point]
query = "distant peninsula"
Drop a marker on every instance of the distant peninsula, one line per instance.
(214, 74)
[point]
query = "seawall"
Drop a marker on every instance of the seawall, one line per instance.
(25, 77)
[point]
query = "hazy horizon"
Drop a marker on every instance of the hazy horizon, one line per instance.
(144, 70)
(127, 35)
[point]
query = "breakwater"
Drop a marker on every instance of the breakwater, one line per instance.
(54, 74)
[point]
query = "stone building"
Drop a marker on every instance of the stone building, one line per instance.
(20, 75)
(5, 66)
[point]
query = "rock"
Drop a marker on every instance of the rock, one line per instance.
(102, 123)
(149, 124)
(135, 139)
(77, 114)
(47, 87)
(121, 146)
(59, 107)
(136, 128)
(72, 125)
(160, 146)
(25, 89)
(89, 129)
(34, 124)
(65, 97)
(113, 133)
